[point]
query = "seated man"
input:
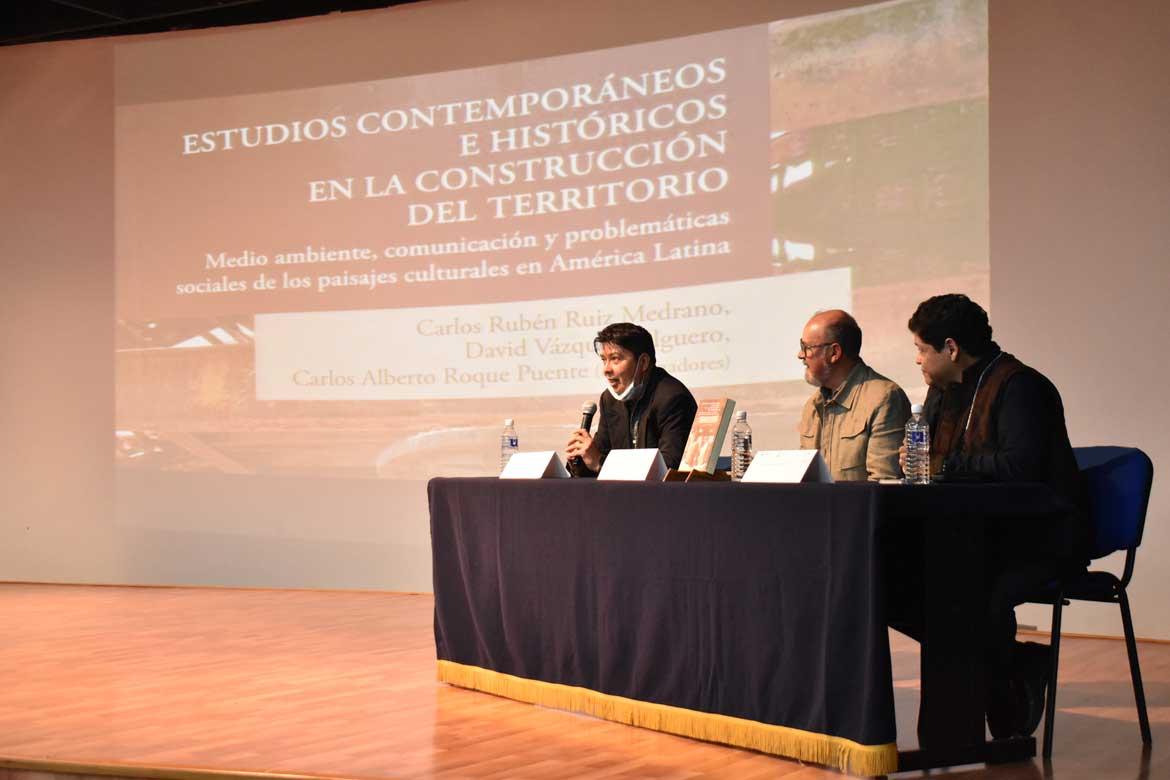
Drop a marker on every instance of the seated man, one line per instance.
(857, 418)
(993, 418)
(643, 406)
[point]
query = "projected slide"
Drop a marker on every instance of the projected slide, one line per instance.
(363, 279)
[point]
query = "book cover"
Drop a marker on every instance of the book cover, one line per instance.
(705, 441)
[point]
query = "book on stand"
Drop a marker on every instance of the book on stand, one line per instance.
(708, 431)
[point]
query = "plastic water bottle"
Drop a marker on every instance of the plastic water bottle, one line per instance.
(509, 442)
(741, 446)
(917, 448)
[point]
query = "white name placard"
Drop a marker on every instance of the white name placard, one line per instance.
(788, 466)
(545, 464)
(634, 466)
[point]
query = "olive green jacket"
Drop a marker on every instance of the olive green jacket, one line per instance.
(859, 428)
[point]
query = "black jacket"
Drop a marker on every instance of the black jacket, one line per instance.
(1026, 441)
(664, 413)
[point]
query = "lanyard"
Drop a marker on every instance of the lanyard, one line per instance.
(634, 418)
(979, 384)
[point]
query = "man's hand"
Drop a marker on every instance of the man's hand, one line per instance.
(581, 446)
(902, 459)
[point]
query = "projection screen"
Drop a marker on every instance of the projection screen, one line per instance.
(363, 279)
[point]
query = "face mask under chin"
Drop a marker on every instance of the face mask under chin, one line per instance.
(632, 391)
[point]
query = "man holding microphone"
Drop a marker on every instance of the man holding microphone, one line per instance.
(643, 407)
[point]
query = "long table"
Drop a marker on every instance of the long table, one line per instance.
(751, 615)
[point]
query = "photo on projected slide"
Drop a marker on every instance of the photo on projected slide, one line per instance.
(363, 279)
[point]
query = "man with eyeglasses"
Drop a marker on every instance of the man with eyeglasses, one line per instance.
(857, 417)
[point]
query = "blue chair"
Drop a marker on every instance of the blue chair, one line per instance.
(1118, 483)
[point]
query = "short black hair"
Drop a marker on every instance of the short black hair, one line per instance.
(626, 335)
(952, 316)
(845, 331)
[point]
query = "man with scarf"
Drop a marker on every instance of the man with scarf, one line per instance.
(643, 407)
(994, 419)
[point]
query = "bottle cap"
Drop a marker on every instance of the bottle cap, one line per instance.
(508, 421)
(915, 408)
(741, 415)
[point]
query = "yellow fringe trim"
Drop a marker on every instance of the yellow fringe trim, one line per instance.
(837, 752)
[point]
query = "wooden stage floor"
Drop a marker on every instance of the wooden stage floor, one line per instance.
(191, 682)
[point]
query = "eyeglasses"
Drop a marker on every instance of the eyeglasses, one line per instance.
(804, 348)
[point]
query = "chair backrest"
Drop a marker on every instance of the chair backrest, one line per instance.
(1118, 482)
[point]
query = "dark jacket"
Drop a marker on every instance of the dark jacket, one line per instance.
(1015, 433)
(664, 413)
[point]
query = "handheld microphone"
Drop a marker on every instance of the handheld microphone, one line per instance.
(588, 409)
